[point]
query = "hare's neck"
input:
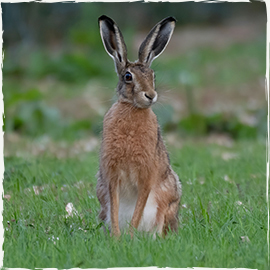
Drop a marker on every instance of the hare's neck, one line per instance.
(127, 110)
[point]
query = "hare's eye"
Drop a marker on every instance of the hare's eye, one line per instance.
(128, 77)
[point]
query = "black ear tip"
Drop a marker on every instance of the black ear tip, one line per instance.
(102, 17)
(171, 19)
(105, 18)
(168, 20)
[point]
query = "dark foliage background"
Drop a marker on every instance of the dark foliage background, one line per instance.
(58, 81)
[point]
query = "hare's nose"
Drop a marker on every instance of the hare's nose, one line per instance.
(149, 97)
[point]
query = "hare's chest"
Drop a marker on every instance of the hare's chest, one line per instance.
(130, 143)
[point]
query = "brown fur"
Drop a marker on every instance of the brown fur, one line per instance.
(133, 157)
(130, 140)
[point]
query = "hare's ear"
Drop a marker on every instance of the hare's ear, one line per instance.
(156, 41)
(113, 41)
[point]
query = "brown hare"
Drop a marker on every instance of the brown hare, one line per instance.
(136, 186)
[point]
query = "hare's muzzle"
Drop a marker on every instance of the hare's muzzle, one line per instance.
(150, 98)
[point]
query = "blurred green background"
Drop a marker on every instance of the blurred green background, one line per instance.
(58, 81)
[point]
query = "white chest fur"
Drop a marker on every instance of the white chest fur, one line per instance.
(126, 210)
(128, 195)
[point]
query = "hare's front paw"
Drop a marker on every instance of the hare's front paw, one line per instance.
(116, 233)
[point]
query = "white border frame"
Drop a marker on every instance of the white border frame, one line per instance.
(267, 3)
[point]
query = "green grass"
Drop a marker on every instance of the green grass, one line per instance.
(212, 218)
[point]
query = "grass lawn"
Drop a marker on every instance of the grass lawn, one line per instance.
(223, 213)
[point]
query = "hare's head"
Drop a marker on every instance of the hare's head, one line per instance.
(136, 80)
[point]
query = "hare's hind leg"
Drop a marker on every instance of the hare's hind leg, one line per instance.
(171, 218)
(103, 196)
(108, 196)
(174, 193)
